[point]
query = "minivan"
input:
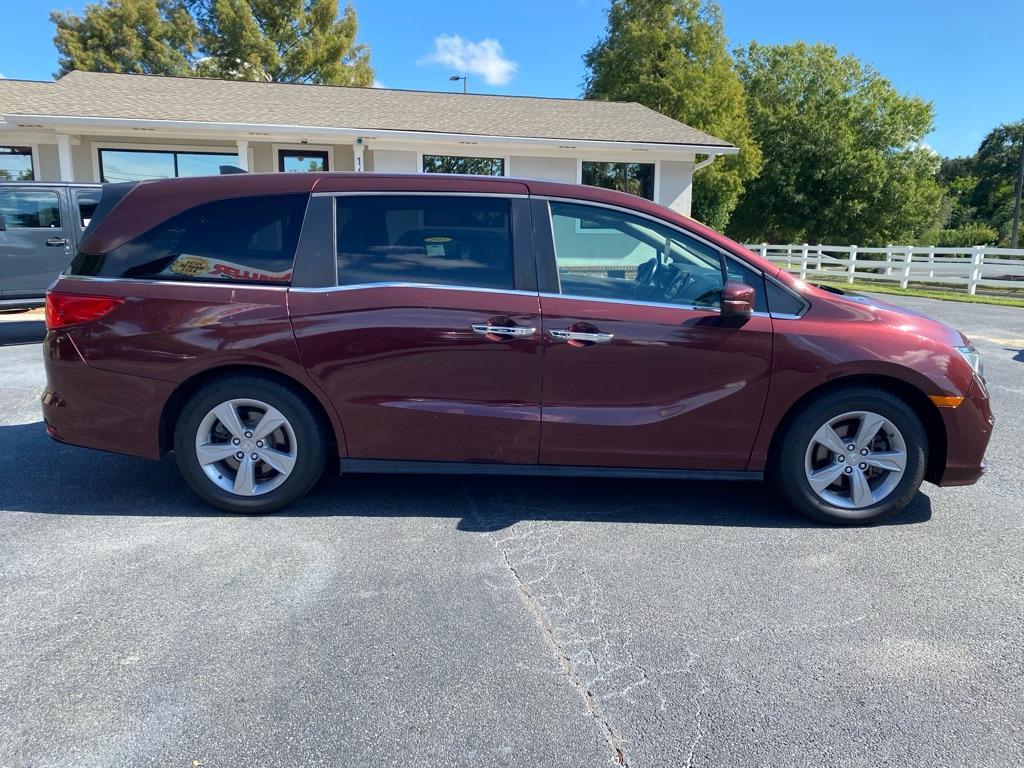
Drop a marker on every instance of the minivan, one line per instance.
(264, 327)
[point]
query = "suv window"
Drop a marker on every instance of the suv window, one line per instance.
(606, 253)
(30, 208)
(87, 200)
(242, 239)
(434, 240)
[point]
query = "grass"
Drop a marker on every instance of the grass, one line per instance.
(924, 293)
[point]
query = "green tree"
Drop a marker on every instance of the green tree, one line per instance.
(844, 161)
(671, 56)
(290, 41)
(152, 37)
(995, 165)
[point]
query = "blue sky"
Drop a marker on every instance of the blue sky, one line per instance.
(964, 57)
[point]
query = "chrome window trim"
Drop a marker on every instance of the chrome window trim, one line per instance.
(431, 286)
(145, 281)
(629, 302)
(687, 233)
(422, 193)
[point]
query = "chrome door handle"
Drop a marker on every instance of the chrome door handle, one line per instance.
(56, 242)
(513, 331)
(591, 338)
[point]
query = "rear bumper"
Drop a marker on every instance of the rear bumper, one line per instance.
(968, 430)
(100, 409)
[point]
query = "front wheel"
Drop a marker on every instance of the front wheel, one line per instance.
(852, 457)
(249, 444)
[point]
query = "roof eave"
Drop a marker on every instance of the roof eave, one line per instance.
(249, 129)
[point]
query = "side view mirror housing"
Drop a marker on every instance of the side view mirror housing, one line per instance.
(737, 301)
(3, 222)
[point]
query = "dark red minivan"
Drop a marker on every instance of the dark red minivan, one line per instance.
(263, 327)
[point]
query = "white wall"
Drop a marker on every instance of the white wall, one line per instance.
(392, 161)
(547, 168)
(675, 190)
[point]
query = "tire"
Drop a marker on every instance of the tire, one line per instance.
(289, 458)
(868, 488)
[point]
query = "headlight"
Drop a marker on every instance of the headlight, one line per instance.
(973, 358)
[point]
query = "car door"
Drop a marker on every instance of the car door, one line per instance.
(36, 245)
(428, 339)
(640, 370)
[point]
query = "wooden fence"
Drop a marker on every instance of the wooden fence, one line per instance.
(903, 264)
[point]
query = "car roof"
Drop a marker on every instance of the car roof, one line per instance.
(34, 183)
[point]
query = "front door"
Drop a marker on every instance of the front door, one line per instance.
(37, 244)
(428, 346)
(639, 368)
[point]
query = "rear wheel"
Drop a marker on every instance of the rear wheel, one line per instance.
(249, 444)
(852, 457)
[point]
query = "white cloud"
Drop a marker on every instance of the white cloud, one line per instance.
(378, 84)
(485, 58)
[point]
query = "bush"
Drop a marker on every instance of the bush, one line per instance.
(961, 237)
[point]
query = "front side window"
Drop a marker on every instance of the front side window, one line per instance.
(16, 164)
(242, 239)
(461, 241)
(629, 258)
(473, 166)
(30, 208)
(633, 178)
(141, 164)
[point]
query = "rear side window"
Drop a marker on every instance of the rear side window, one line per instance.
(242, 239)
(30, 208)
(87, 201)
(462, 241)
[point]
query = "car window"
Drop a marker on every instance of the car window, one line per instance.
(243, 239)
(86, 200)
(433, 240)
(741, 273)
(30, 208)
(606, 253)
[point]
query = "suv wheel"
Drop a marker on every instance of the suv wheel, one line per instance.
(852, 457)
(248, 444)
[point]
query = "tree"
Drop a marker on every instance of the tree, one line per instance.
(286, 41)
(151, 37)
(995, 166)
(671, 56)
(844, 159)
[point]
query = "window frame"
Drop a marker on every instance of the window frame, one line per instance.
(505, 160)
(547, 264)
(175, 149)
(33, 156)
(284, 150)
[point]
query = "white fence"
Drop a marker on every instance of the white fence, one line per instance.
(903, 264)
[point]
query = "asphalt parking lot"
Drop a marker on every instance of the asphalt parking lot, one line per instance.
(397, 621)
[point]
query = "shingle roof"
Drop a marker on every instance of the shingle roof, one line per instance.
(145, 97)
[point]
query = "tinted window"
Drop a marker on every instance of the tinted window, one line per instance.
(30, 208)
(741, 273)
(87, 200)
(420, 239)
(782, 302)
(243, 239)
(474, 166)
(604, 253)
(634, 178)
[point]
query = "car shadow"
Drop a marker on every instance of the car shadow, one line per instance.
(21, 332)
(42, 476)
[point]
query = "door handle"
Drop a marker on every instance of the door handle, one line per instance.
(581, 336)
(56, 242)
(509, 331)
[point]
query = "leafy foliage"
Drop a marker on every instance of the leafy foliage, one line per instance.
(671, 56)
(960, 237)
(289, 41)
(843, 159)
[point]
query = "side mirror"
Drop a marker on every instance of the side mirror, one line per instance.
(3, 222)
(737, 301)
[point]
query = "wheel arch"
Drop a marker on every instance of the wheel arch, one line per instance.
(186, 389)
(925, 409)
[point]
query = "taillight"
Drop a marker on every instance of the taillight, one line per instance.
(64, 309)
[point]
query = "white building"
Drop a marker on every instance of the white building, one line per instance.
(90, 126)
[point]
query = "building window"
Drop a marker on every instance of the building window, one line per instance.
(16, 164)
(634, 178)
(473, 166)
(302, 160)
(140, 164)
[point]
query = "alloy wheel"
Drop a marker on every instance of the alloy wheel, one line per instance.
(246, 447)
(855, 460)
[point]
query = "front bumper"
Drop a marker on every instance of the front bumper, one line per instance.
(968, 430)
(100, 409)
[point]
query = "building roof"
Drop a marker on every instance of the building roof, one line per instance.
(200, 100)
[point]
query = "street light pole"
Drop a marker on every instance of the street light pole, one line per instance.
(1016, 203)
(464, 79)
